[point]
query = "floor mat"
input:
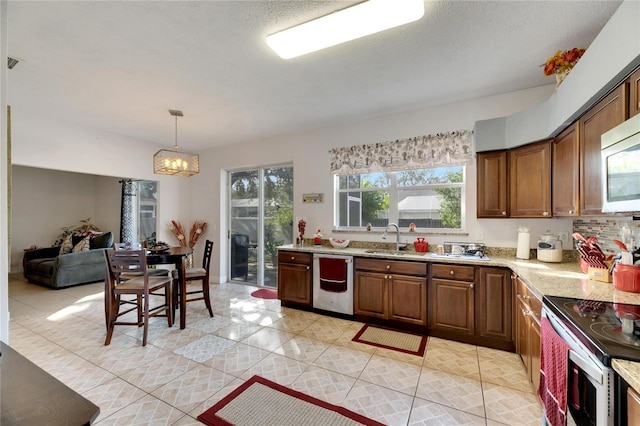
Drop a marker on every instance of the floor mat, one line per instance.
(259, 401)
(265, 293)
(400, 341)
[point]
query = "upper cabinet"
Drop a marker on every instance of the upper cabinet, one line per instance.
(565, 172)
(515, 182)
(634, 93)
(530, 180)
(492, 184)
(604, 116)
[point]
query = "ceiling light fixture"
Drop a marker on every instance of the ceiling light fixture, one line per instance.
(166, 162)
(347, 24)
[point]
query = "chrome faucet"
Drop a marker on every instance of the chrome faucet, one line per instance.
(384, 236)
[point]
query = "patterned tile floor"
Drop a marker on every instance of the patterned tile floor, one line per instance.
(181, 373)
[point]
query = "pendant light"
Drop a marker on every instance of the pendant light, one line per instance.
(167, 162)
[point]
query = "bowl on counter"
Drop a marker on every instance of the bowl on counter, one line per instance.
(339, 244)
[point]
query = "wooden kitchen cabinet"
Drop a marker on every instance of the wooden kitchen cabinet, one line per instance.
(528, 313)
(492, 184)
(633, 407)
(494, 305)
(391, 290)
(294, 278)
(566, 171)
(604, 116)
(451, 300)
(634, 93)
(530, 180)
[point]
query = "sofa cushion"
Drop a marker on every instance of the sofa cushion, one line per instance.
(67, 244)
(102, 241)
(83, 245)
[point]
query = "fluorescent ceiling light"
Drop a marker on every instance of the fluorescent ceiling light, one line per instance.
(347, 24)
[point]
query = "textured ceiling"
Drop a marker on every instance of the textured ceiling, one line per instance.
(120, 66)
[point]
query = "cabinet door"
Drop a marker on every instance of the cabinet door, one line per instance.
(530, 180)
(522, 333)
(408, 299)
(492, 184)
(634, 93)
(370, 294)
(451, 306)
(566, 160)
(494, 304)
(294, 283)
(534, 352)
(604, 116)
(633, 407)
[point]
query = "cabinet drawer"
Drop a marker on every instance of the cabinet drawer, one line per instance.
(391, 266)
(528, 297)
(294, 257)
(457, 272)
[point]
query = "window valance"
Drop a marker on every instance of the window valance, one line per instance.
(442, 149)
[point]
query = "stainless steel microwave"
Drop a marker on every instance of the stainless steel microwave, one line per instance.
(621, 167)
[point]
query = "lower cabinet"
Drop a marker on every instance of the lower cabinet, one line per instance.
(471, 304)
(294, 278)
(527, 322)
(633, 407)
(391, 290)
(451, 299)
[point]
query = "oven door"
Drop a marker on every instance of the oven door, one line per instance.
(590, 384)
(586, 394)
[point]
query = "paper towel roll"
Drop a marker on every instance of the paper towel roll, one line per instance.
(524, 244)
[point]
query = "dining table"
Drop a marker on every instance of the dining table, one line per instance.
(176, 256)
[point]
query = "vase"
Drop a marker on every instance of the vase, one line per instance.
(561, 76)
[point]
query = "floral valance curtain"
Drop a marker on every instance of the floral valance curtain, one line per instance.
(442, 149)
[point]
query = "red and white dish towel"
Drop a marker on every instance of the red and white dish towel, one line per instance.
(554, 357)
(333, 274)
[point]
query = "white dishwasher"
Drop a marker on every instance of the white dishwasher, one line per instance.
(333, 283)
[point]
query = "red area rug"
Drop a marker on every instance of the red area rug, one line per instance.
(259, 401)
(401, 341)
(265, 293)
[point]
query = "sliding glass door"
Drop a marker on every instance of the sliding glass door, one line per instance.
(261, 218)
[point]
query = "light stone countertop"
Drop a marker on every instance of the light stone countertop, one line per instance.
(551, 279)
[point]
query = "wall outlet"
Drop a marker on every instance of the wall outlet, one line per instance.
(564, 237)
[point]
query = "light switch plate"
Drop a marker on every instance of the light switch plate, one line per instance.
(564, 237)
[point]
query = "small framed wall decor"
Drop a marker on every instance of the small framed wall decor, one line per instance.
(313, 198)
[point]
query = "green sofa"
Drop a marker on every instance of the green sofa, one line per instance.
(47, 267)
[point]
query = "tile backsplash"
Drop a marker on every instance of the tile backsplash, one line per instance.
(605, 229)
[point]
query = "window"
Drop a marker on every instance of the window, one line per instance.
(430, 198)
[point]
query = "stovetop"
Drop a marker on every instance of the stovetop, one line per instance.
(609, 330)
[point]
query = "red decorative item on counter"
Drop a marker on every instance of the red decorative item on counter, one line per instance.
(421, 245)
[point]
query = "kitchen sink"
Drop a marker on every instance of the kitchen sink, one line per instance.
(387, 252)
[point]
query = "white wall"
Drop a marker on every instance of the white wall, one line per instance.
(309, 154)
(44, 201)
(45, 144)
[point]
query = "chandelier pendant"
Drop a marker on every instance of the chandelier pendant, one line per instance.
(167, 162)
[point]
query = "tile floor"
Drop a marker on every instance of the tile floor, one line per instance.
(181, 373)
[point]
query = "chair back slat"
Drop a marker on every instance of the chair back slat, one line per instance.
(206, 259)
(126, 262)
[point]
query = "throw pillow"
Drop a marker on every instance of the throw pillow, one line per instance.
(83, 245)
(67, 245)
(102, 241)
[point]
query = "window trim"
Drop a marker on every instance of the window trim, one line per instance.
(393, 190)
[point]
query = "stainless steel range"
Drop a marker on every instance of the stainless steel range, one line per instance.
(597, 332)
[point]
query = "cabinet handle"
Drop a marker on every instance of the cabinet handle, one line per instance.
(388, 267)
(308, 268)
(526, 297)
(386, 277)
(293, 258)
(504, 213)
(571, 211)
(525, 312)
(545, 213)
(451, 273)
(471, 285)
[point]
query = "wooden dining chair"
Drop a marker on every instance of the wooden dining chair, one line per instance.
(198, 274)
(141, 285)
